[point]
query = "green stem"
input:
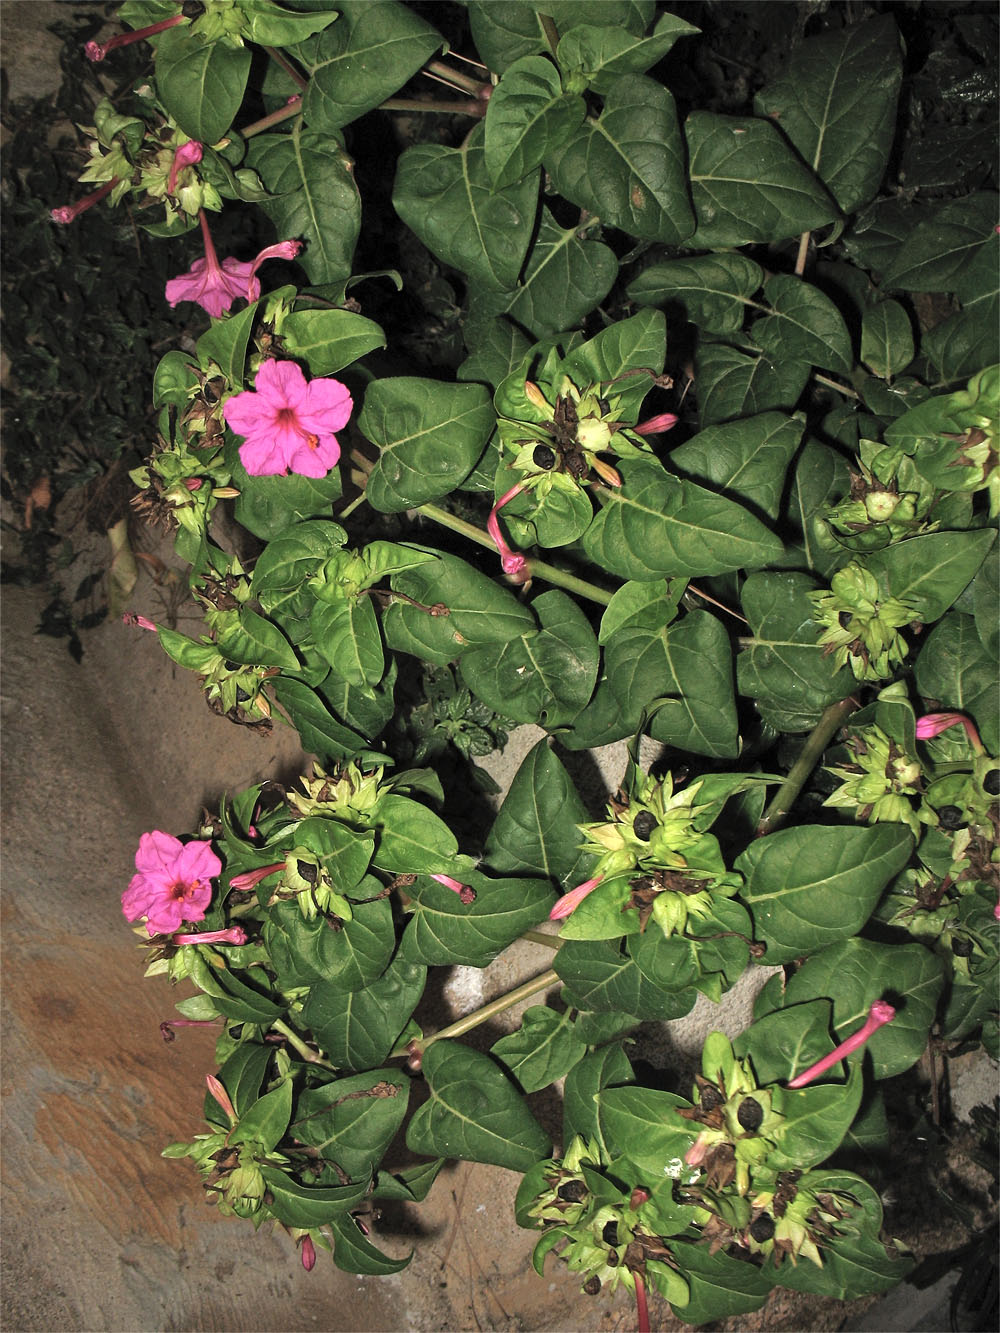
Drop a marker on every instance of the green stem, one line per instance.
(275, 118)
(287, 66)
(487, 1012)
(537, 567)
(832, 720)
(295, 1040)
(832, 384)
(542, 937)
(348, 510)
(474, 107)
(454, 76)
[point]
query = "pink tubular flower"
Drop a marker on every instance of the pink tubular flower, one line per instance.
(465, 891)
(569, 902)
(70, 212)
(308, 1254)
(656, 425)
(512, 562)
(251, 878)
(130, 618)
(289, 424)
(218, 1091)
(233, 935)
(167, 1026)
(216, 286)
(879, 1014)
(932, 724)
(172, 882)
(95, 51)
(185, 156)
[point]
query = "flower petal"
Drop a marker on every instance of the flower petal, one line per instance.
(261, 458)
(280, 384)
(327, 407)
(314, 460)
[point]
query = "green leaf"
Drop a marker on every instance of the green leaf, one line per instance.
(232, 998)
(352, 1121)
(639, 343)
(886, 339)
(748, 185)
(288, 561)
(811, 886)
(746, 459)
(821, 478)
(346, 636)
(929, 572)
(354, 1254)
(816, 1120)
(784, 668)
(659, 526)
(505, 30)
(986, 598)
(226, 344)
(267, 1119)
(804, 325)
(201, 84)
(597, 975)
(357, 1030)
(955, 669)
(304, 952)
(606, 54)
(302, 1206)
(543, 1050)
(254, 641)
(688, 665)
(444, 930)
(568, 274)
(445, 195)
(241, 1076)
(479, 611)
(527, 117)
(581, 1115)
(712, 290)
(783, 1044)
(270, 25)
(628, 166)
(941, 249)
(967, 340)
(736, 383)
(474, 1112)
(319, 731)
(719, 1286)
(410, 1185)
(855, 973)
(835, 99)
(498, 347)
(535, 831)
(366, 56)
(269, 506)
(642, 1125)
(316, 199)
(547, 676)
(430, 435)
(329, 340)
(412, 839)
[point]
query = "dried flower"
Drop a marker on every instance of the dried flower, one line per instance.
(96, 51)
(68, 213)
(464, 891)
(232, 935)
(569, 902)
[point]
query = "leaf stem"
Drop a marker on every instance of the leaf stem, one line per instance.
(474, 107)
(288, 67)
(455, 77)
(487, 1012)
(800, 258)
(832, 720)
(550, 30)
(542, 937)
(832, 384)
(286, 112)
(541, 568)
(295, 1040)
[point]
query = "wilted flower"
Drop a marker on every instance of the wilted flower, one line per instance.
(288, 424)
(186, 155)
(172, 882)
(465, 891)
(68, 213)
(512, 562)
(96, 51)
(932, 724)
(231, 935)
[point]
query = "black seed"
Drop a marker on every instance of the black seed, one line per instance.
(950, 817)
(573, 1191)
(610, 1233)
(603, 406)
(961, 947)
(543, 457)
(762, 1228)
(643, 825)
(241, 695)
(592, 1286)
(750, 1114)
(236, 1031)
(231, 666)
(991, 782)
(844, 619)
(307, 870)
(710, 1097)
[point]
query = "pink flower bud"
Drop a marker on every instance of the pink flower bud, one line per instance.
(879, 1014)
(251, 878)
(220, 1094)
(569, 902)
(308, 1254)
(932, 724)
(656, 425)
(232, 935)
(130, 618)
(185, 156)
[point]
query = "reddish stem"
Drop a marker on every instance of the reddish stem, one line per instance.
(642, 1309)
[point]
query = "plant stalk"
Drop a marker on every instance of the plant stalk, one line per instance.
(296, 77)
(295, 1040)
(832, 720)
(293, 108)
(473, 107)
(483, 1015)
(542, 937)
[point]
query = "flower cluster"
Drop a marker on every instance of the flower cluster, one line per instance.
(860, 625)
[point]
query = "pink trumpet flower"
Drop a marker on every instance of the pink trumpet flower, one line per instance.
(251, 878)
(96, 51)
(220, 1094)
(214, 285)
(879, 1014)
(465, 891)
(186, 156)
(512, 562)
(932, 724)
(68, 213)
(569, 902)
(232, 935)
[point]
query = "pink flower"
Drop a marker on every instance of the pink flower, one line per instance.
(465, 891)
(932, 724)
(172, 883)
(216, 286)
(186, 156)
(569, 902)
(68, 213)
(251, 878)
(308, 1253)
(218, 1091)
(656, 425)
(288, 424)
(130, 618)
(511, 562)
(232, 935)
(879, 1014)
(95, 51)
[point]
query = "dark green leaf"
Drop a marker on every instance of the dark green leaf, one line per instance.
(780, 1045)
(745, 459)
(354, 1254)
(642, 1125)
(319, 731)
(444, 930)
(254, 641)
(956, 670)
(929, 572)
(303, 1206)
(200, 83)
(604, 55)
(226, 344)
(412, 839)
(598, 976)
(268, 506)
(543, 1050)
(357, 1030)
(713, 290)
(527, 117)
(804, 325)
(736, 383)
(355, 955)
(329, 340)
(940, 250)
(719, 1286)
(821, 478)
(605, 1068)
(886, 339)
(352, 1121)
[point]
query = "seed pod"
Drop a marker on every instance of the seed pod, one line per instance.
(844, 619)
(592, 1285)
(241, 695)
(643, 825)
(991, 782)
(762, 1228)
(950, 817)
(750, 1114)
(544, 457)
(610, 1233)
(306, 870)
(961, 946)
(573, 1191)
